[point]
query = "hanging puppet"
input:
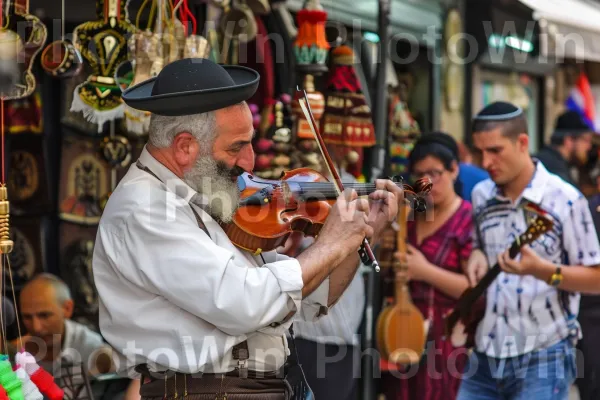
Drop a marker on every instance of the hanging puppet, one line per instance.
(103, 44)
(347, 119)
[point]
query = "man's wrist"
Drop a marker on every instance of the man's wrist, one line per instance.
(545, 270)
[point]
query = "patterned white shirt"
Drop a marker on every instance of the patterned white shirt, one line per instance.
(523, 313)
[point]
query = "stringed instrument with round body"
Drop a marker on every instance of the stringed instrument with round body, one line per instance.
(298, 202)
(270, 210)
(401, 328)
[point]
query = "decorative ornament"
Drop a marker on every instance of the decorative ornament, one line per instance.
(307, 149)
(40, 377)
(30, 391)
(60, 58)
(403, 131)
(279, 138)
(9, 380)
(311, 46)
(21, 38)
(116, 151)
(317, 104)
(147, 51)
(103, 43)
(347, 116)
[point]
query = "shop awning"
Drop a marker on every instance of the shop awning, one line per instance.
(569, 28)
(409, 19)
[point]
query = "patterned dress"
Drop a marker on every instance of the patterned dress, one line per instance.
(437, 377)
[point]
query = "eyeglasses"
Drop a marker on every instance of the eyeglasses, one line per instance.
(433, 174)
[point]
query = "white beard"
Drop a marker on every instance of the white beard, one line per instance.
(221, 196)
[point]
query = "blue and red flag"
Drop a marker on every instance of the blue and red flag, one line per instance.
(582, 101)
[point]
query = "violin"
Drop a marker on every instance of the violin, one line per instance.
(270, 210)
(270, 228)
(401, 328)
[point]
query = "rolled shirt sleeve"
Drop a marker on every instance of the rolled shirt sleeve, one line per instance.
(313, 306)
(179, 262)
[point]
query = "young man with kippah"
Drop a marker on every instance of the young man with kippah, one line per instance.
(524, 346)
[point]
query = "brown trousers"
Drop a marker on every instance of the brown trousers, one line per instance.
(215, 387)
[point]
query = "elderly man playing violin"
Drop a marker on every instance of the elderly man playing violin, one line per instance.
(182, 306)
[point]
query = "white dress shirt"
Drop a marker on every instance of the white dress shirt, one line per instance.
(523, 313)
(173, 297)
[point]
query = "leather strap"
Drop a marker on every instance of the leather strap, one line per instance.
(240, 351)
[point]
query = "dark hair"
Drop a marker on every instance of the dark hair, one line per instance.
(511, 128)
(437, 145)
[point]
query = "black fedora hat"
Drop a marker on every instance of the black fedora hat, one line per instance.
(193, 86)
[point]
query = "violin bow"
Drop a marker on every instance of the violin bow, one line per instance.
(365, 253)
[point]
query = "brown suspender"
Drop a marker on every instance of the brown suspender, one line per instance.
(240, 351)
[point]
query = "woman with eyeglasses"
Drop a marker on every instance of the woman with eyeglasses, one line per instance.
(439, 241)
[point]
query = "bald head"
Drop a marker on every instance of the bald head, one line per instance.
(45, 303)
(50, 284)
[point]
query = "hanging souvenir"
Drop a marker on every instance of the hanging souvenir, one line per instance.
(311, 46)
(307, 149)
(21, 39)
(60, 58)
(195, 46)
(103, 44)
(146, 48)
(85, 180)
(24, 115)
(347, 118)
(403, 131)
(278, 143)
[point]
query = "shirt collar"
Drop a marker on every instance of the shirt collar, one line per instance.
(534, 191)
(173, 183)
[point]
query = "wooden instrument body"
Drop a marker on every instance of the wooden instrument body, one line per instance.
(401, 333)
(401, 330)
(269, 211)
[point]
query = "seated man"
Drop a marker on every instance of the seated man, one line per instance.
(53, 338)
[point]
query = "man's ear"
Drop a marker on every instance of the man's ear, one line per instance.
(523, 141)
(68, 308)
(185, 148)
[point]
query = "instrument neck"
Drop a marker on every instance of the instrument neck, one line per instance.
(327, 190)
(402, 292)
(490, 276)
